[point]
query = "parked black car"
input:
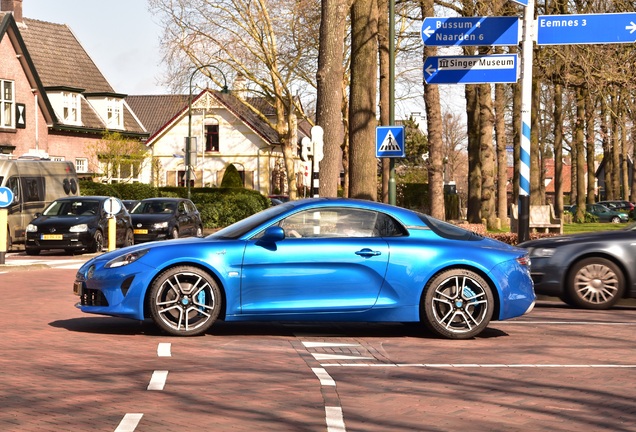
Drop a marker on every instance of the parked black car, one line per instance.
(77, 224)
(165, 218)
(590, 270)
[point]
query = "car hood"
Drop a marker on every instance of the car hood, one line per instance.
(603, 236)
(43, 222)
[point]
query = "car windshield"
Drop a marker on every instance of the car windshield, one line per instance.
(154, 207)
(72, 208)
(240, 228)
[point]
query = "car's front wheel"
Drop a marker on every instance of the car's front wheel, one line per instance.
(595, 283)
(185, 301)
(616, 219)
(32, 252)
(98, 242)
(458, 304)
(130, 238)
(199, 231)
(174, 234)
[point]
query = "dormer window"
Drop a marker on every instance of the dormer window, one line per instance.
(70, 107)
(114, 118)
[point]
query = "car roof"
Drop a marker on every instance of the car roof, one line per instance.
(166, 199)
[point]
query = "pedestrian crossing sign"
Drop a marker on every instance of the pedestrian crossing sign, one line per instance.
(389, 141)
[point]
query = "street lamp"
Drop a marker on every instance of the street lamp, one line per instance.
(188, 159)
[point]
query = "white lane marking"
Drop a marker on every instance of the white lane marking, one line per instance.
(163, 349)
(320, 357)
(129, 422)
(158, 380)
(327, 344)
(324, 377)
(335, 419)
(470, 365)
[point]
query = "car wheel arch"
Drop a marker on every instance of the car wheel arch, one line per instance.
(478, 271)
(209, 270)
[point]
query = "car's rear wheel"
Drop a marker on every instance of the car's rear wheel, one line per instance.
(595, 283)
(458, 304)
(98, 242)
(185, 301)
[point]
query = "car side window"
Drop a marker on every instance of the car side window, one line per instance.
(342, 222)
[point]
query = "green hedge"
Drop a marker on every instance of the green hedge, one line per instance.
(219, 207)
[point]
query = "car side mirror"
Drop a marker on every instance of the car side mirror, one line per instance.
(273, 234)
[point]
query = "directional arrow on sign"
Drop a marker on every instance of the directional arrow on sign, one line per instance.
(586, 29)
(470, 31)
(501, 68)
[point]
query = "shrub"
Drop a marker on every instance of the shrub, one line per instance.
(231, 178)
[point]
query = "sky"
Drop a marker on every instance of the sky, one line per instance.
(121, 36)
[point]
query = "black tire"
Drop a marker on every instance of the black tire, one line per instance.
(616, 219)
(9, 244)
(457, 304)
(595, 283)
(32, 252)
(174, 234)
(130, 238)
(184, 301)
(98, 242)
(199, 232)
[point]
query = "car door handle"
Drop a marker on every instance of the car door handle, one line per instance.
(366, 252)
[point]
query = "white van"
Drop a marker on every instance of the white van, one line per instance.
(35, 184)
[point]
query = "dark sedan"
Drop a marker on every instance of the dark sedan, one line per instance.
(591, 270)
(77, 224)
(165, 218)
(603, 213)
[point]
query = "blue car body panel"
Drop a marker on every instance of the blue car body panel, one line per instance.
(344, 279)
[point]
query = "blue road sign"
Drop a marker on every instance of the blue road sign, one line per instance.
(6, 197)
(389, 141)
(586, 29)
(500, 68)
(521, 2)
(472, 31)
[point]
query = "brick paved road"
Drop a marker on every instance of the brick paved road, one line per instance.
(557, 369)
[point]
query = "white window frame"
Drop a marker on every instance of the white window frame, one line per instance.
(114, 116)
(70, 107)
(7, 104)
(81, 165)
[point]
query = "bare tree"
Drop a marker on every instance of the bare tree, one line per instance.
(270, 43)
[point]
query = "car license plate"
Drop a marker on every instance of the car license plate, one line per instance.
(52, 237)
(77, 288)
(141, 231)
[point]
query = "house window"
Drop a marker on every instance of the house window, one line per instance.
(211, 135)
(57, 158)
(81, 165)
(71, 102)
(113, 113)
(7, 104)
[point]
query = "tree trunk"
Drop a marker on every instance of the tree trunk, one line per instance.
(579, 142)
(329, 79)
(487, 155)
(558, 150)
(362, 108)
(589, 138)
(383, 46)
(535, 154)
(502, 153)
(474, 159)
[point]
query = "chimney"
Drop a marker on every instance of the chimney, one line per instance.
(14, 6)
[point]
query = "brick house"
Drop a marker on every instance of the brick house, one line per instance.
(55, 101)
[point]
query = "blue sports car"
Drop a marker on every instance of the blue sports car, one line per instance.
(316, 260)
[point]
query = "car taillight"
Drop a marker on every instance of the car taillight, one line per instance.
(524, 260)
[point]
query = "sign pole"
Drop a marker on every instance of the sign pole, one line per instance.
(3, 233)
(392, 181)
(523, 233)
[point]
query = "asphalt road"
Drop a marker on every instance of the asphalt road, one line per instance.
(556, 369)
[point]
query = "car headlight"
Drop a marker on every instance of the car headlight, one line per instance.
(79, 228)
(160, 225)
(31, 228)
(542, 252)
(126, 259)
